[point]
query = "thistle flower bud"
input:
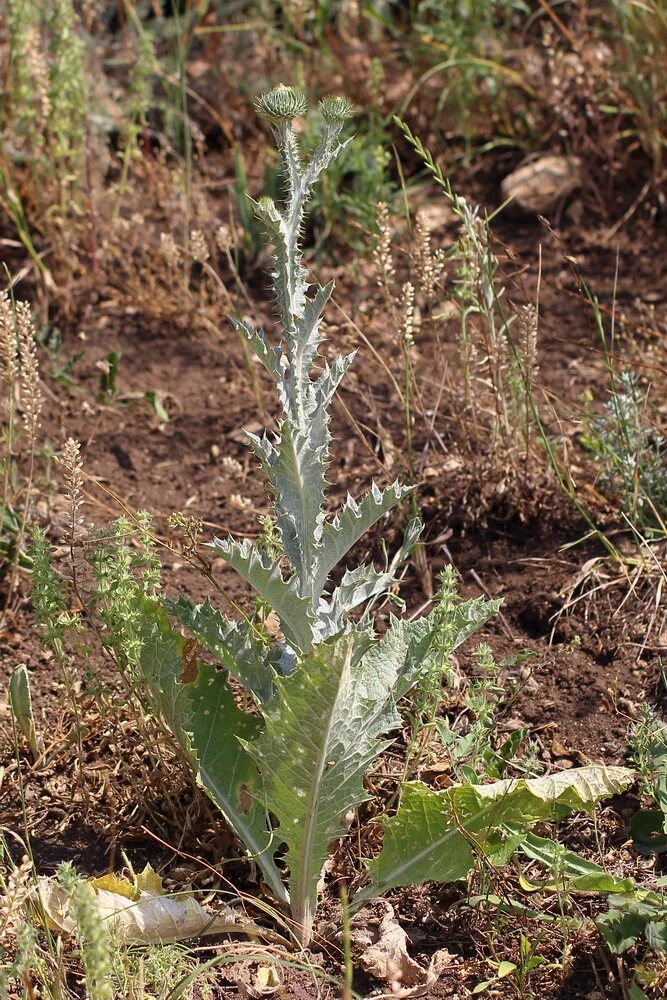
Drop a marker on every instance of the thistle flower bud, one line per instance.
(282, 104)
(336, 109)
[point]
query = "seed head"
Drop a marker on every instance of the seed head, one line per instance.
(198, 247)
(336, 109)
(31, 392)
(282, 104)
(170, 250)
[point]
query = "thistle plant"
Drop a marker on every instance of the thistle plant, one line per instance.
(325, 691)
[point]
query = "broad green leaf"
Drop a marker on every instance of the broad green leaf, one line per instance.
(296, 620)
(647, 827)
(555, 794)
(505, 969)
(656, 933)
(203, 715)
(429, 838)
(240, 650)
(20, 704)
(570, 869)
(483, 986)
(322, 732)
(643, 915)
(422, 843)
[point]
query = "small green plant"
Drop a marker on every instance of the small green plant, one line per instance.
(464, 45)
(286, 764)
(497, 344)
(516, 974)
(634, 918)
(648, 737)
(48, 93)
(631, 455)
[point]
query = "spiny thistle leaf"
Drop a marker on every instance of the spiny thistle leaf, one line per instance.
(296, 472)
(269, 356)
(240, 650)
(356, 587)
(347, 527)
(210, 726)
(293, 611)
(322, 732)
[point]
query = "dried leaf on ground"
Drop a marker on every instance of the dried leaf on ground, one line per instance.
(387, 958)
(264, 983)
(137, 912)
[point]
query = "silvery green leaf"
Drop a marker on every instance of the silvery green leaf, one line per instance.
(325, 153)
(322, 732)
(199, 708)
(347, 527)
(269, 356)
(296, 470)
(401, 655)
(330, 379)
(238, 647)
(302, 343)
(427, 839)
(356, 587)
(293, 611)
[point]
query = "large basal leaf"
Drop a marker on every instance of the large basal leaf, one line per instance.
(237, 647)
(430, 836)
(203, 715)
(322, 732)
(293, 611)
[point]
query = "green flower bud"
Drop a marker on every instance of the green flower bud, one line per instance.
(282, 104)
(336, 109)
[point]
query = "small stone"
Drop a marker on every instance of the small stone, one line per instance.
(539, 185)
